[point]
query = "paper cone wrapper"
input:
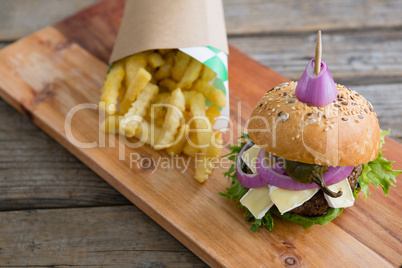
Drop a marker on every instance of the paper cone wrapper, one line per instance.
(196, 27)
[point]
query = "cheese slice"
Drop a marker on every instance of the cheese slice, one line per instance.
(257, 201)
(286, 200)
(345, 200)
(250, 157)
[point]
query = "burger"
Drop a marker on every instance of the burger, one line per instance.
(312, 146)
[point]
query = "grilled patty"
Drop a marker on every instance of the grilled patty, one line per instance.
(317, 205)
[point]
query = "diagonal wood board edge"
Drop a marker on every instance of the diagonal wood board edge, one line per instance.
(47, 75)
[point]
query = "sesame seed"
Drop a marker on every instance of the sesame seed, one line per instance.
(298, 136)
(365, 109)
(325, 116)
(331, 126)
(278, 105)
(353, 103)
(312, 121)
(291, 100)
(319, 114)
(293, 108)
(326, 129)
(284, 94)
(273, 110)
(283, 84)
(344, 103)
(371, 109)
(360, 116)
(279, 114)
(337, 105)
(283, 117)
(344, 118)
(351, 97)
(309, 114)
(269, 113)
(270, 99)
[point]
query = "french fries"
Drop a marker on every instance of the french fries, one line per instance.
(139, 82)
(190, 146)
(191, 74)
(155, 60)
(201, 122)
(210, 92)
(207, 74)
(204, 167)
(181, 61)
(134, 116)
(159, 97)
(168, 83)
(133, 64)
(181, 139)
(174, 117)
(111, 88)
(212, 113)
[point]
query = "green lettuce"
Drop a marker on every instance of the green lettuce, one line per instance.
(377, 172)
(307, 222)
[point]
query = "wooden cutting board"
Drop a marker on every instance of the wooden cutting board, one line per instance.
(57, 68)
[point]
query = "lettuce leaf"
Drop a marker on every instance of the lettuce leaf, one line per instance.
(377, 172)
(307, 222)
(267, 221)
(236, 190)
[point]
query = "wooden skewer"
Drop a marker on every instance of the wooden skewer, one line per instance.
(318, 51)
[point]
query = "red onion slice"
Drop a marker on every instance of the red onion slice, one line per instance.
(318, 90)
(248, 180)
(334, 175)
(278, 167)
(266, 175)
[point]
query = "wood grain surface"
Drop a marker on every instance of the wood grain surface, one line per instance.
(202, 220)
(110, 239)
(37, 173)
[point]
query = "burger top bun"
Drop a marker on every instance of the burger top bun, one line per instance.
(343, 133)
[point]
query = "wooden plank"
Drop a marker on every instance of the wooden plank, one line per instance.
(63, 69)
(3, 44)
(101, 22)
(36, 172)
(88, 237)
(353, 58)
(277, 16)
(386, 99)
(19, 17)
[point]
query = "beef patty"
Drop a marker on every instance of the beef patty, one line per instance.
(317, 205)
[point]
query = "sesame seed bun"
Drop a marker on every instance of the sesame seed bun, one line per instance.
(343, 133)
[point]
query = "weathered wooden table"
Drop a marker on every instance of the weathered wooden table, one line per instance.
(47, 193)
